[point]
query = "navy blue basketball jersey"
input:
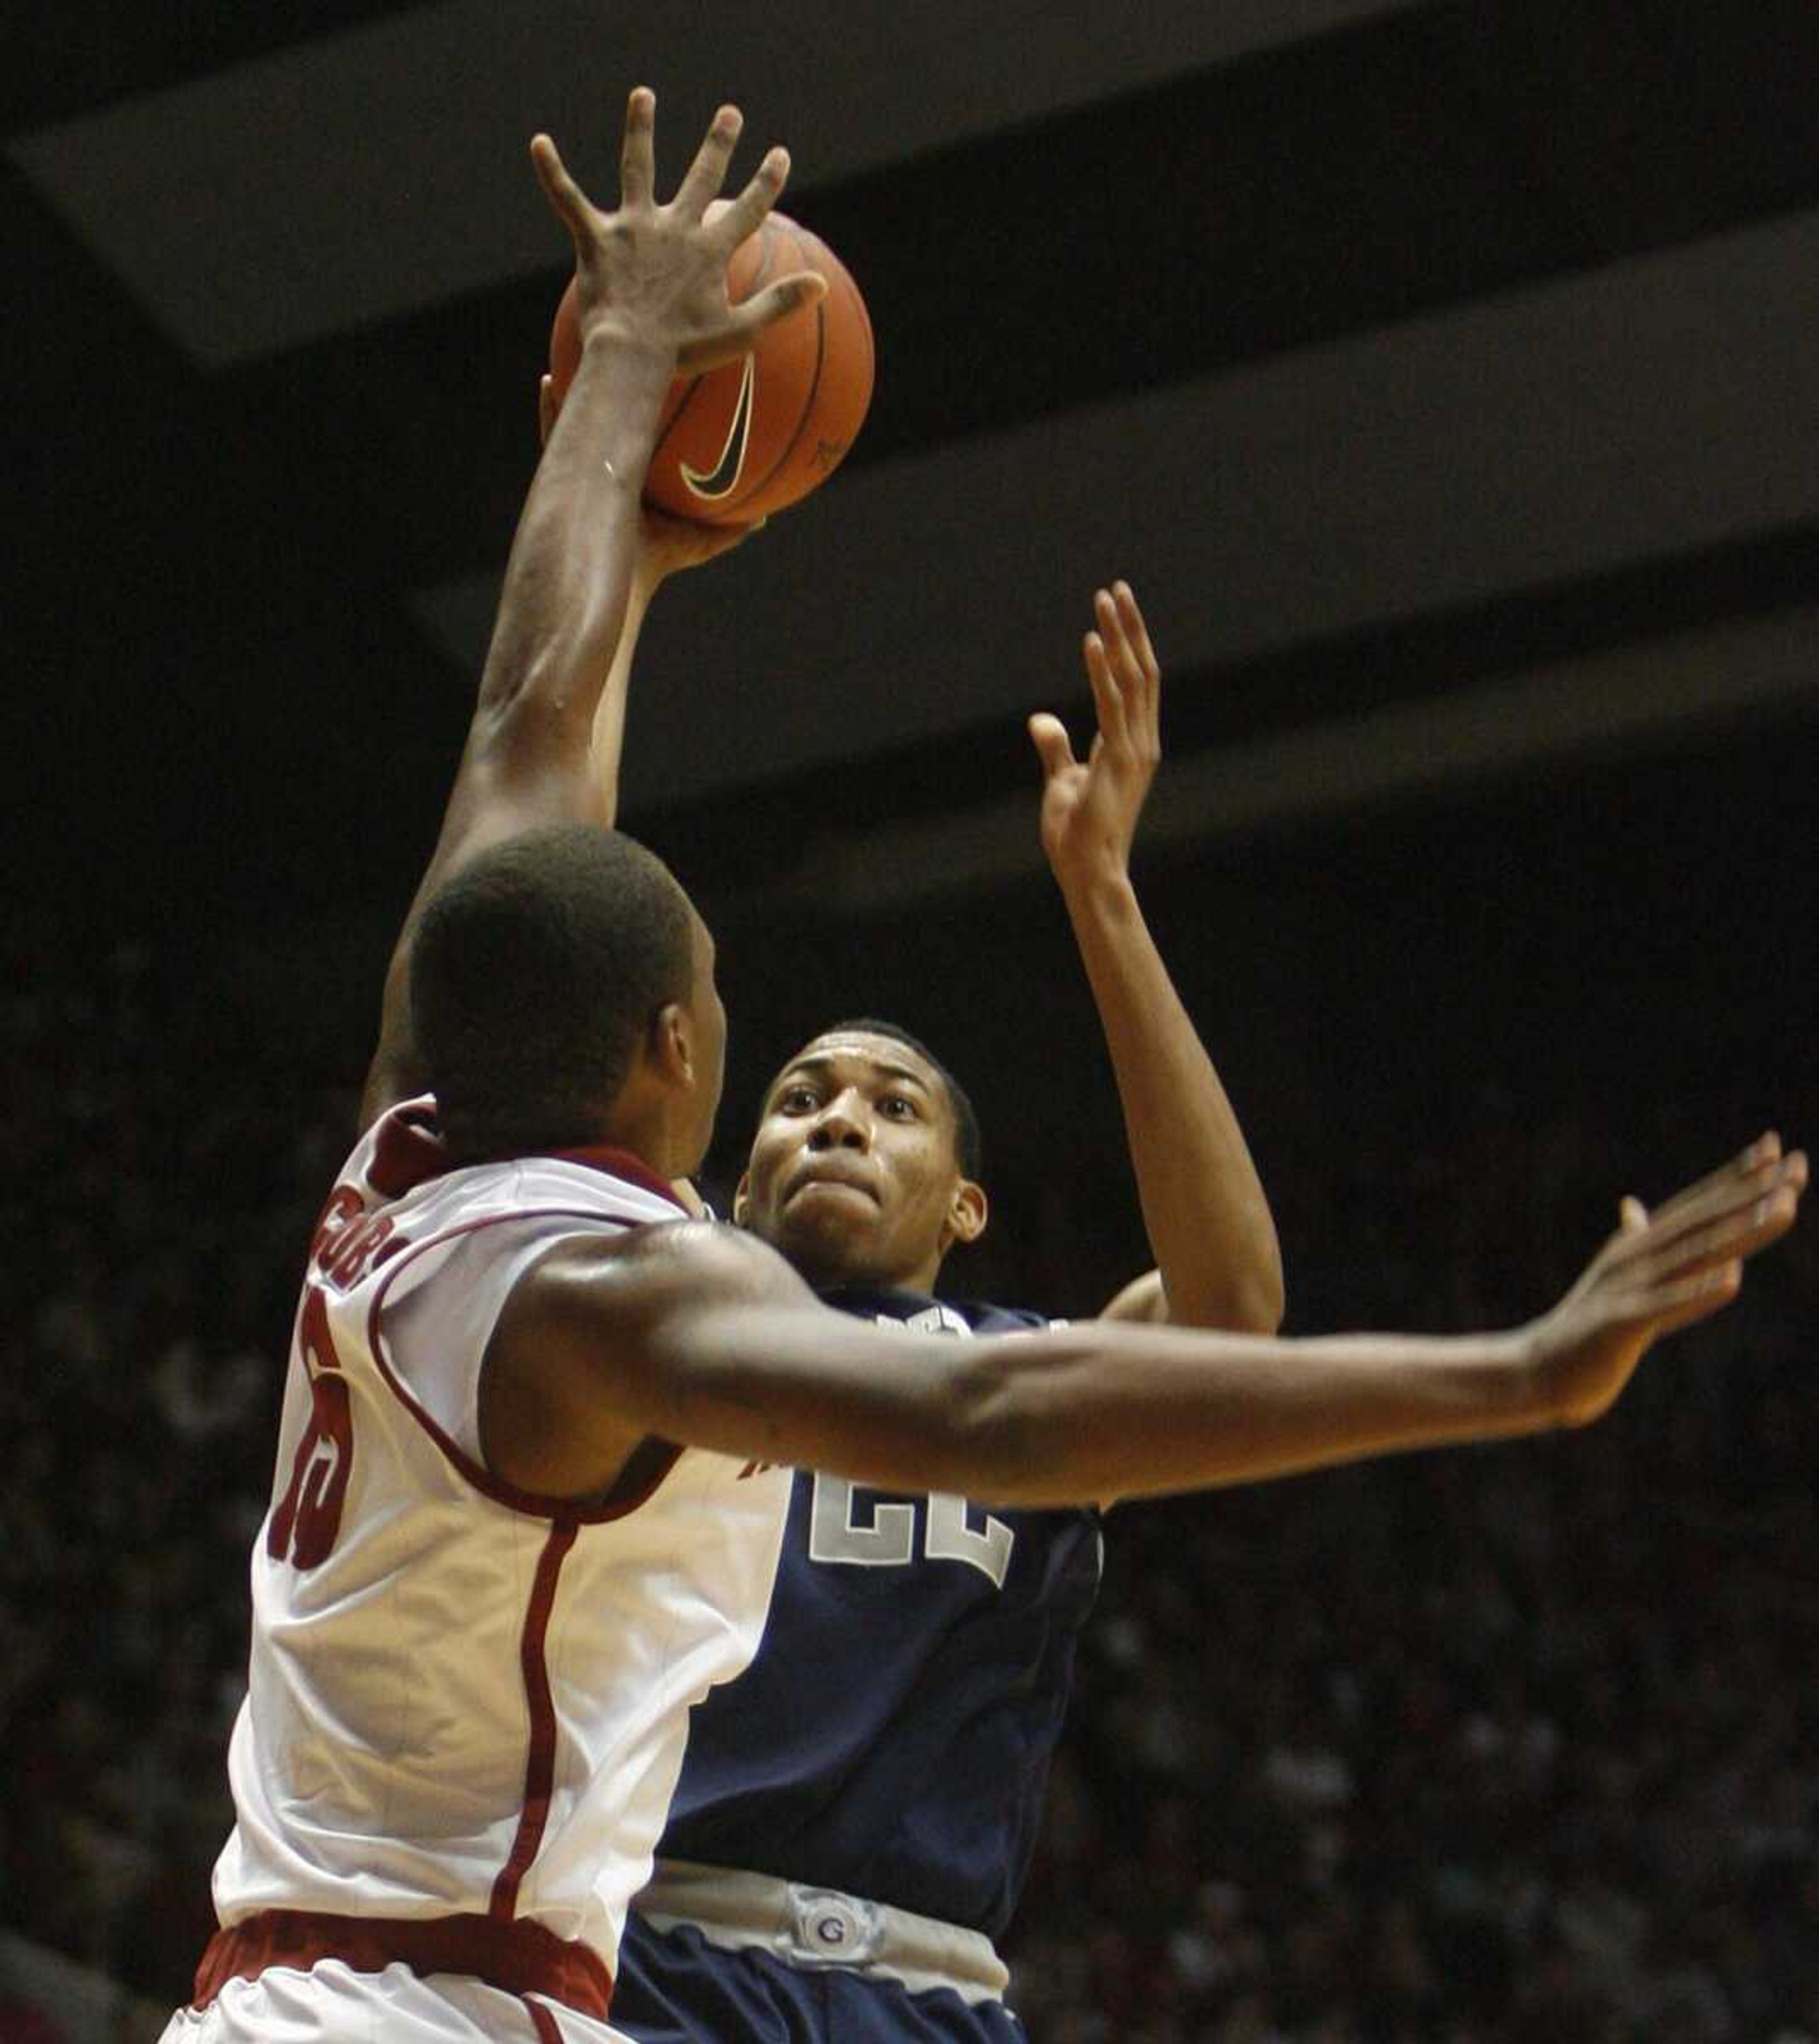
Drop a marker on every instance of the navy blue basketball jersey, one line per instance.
(892, 1738)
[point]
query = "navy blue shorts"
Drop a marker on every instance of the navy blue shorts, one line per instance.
(672, 1986)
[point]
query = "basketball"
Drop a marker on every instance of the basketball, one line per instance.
(760, 432)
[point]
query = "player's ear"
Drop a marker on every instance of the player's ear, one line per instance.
(742, 1199)
(670, 1044)
(967, 1212)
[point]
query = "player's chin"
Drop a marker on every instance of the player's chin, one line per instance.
(828, 1240)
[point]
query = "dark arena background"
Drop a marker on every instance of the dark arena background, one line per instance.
(1444, 377)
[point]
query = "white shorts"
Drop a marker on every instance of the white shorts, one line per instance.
(331, 2005)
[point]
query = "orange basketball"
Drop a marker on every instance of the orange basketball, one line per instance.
(758, 433)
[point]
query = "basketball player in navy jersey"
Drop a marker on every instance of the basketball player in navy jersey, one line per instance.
(855, 1813)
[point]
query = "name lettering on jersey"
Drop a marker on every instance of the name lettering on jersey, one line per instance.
(887, 1538)
(348, 1242)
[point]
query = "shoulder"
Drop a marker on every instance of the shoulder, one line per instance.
(644, 1274)
(1142, 1300)
(586, 1357)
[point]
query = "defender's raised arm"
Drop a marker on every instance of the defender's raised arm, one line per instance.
(651, 292)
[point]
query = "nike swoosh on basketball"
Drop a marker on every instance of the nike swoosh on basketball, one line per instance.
(723, 479)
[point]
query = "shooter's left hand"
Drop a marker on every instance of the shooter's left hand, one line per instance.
(1090, 808)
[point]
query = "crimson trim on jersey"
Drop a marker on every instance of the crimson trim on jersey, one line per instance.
(408, 1152)
(540, 1756)
(516, 1954)
(619, 1164)
(543, 2023)
(646, 1466)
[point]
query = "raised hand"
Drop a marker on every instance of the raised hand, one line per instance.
(656, 275)
(1661, 1271)
(1090, 808)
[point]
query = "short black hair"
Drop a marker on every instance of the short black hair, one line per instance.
(969, 1149)
(533, 972)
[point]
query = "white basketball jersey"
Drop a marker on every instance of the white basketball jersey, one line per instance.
(464, 1698)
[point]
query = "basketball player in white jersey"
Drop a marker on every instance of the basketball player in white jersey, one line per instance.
(530, 1473)
(469, 1675)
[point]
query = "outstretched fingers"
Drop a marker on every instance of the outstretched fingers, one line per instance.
(742, 217)
(1738, 1232)
(638, 152)
(751, 316)
(568, 201)
(708, 172)
(1108, 691)
(1144, 687)
(1732, 1215)
(1758, 1172)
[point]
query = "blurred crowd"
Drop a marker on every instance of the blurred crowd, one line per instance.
(1482, 1747)
(164, 1178)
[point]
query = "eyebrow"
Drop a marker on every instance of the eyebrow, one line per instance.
(878, 1065)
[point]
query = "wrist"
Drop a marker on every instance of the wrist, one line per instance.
(621, 377)
(1523, 1355)
(626, 341)
(1100, 886)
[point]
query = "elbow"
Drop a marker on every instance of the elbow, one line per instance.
(530, 757)
(1244, 1302)
(1260, 1304)
(543, 707)
(1258, 1298)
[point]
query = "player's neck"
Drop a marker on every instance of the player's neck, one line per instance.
(655, 1124)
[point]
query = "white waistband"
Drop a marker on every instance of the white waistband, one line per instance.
(819, 1927)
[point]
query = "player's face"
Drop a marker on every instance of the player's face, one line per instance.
(853, 1175)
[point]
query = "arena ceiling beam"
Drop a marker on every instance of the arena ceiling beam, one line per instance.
(379, 160)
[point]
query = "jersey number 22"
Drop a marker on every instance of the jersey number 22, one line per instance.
(887, 1538)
